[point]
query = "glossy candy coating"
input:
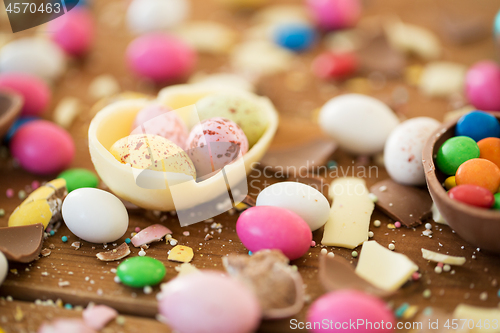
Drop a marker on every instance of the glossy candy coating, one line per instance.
(482, 85)
(478, 125)
(454, 152)
(450, 182)
(139, 272)
(330, 65)
(480, 172)
(346, 306)
(42, 147)
(294, 36)
(472, 195)
(335, 14)
(267, 227)
(18, 123)
(490, 149)
(209, 301)
(74, 31)
(496, 204)
(94, 215)
(77, 178)
(160, 57)
(35, 92)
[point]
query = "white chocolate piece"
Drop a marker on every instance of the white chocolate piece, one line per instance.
(436, 215)
(442, 78)
(477, 315)
(207, 36)
(260, 58)
(349, 218)
(384, 268)
(445, 259)
(413, 39)
(66, 111)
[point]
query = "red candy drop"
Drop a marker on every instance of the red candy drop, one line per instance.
(472, 195)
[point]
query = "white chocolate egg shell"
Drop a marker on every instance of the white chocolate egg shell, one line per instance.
(114, 122)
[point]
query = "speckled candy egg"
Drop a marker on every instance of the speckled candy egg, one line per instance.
(360, 124)
(4, 268)
(136, 150)
(209, 302)
(159, 120)
(268, 227)
(335, 14)
(36, 93)
(37, 56)
(156, 15)
(42, 147)
(74, 31)
(482, 85)
(403, 150)
(248, 115)
(338, 307)
(214, 143)
(94, 215)
(160, 57)
(304, 200)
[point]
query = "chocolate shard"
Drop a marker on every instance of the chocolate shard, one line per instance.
(310, 155)
(377, 55)
(23, 243)
(116, 254)
(407, 204)
(463, 29)
(277, 286)
(337, 273)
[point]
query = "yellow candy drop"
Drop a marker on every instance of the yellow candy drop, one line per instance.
(450, 182)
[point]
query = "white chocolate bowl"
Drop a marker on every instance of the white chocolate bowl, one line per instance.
(114, 122)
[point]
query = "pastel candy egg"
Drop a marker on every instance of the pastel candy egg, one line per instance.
(483, 85)
(349, 306)
(42, 147)
(214, 143)
(36, 56)
(139, 272)
(360, 124)
(307, 202)
(160, 57)
(490, 149)
(454, 152)
(245, 113)
(215, 303)
(478, 125)
(335, 14)
(159, 120)
(294, 36)
(268, 227)
(36, 93)
(403, 150)
(156, 15)
(94, 215)
(472, 195)
(152, 152)
(330, 65)
(74, 31)
(480, 172)
(4, 267)
(78, 178)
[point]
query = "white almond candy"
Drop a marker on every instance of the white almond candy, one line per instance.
(156, 15)
(442, 78)
(4, 268)
(403, 150)
(33, 55)
(445, 259)
(360, 124)
(349, 219)
(384, 268)
(413, 39)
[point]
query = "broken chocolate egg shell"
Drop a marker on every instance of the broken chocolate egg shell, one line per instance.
(278, 287)
(478, 226)
(114, 121)
(10, 107)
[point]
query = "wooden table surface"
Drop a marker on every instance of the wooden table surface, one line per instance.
(91, 280)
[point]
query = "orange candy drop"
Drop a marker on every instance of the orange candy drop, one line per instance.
(480, 172)
(490, 149)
